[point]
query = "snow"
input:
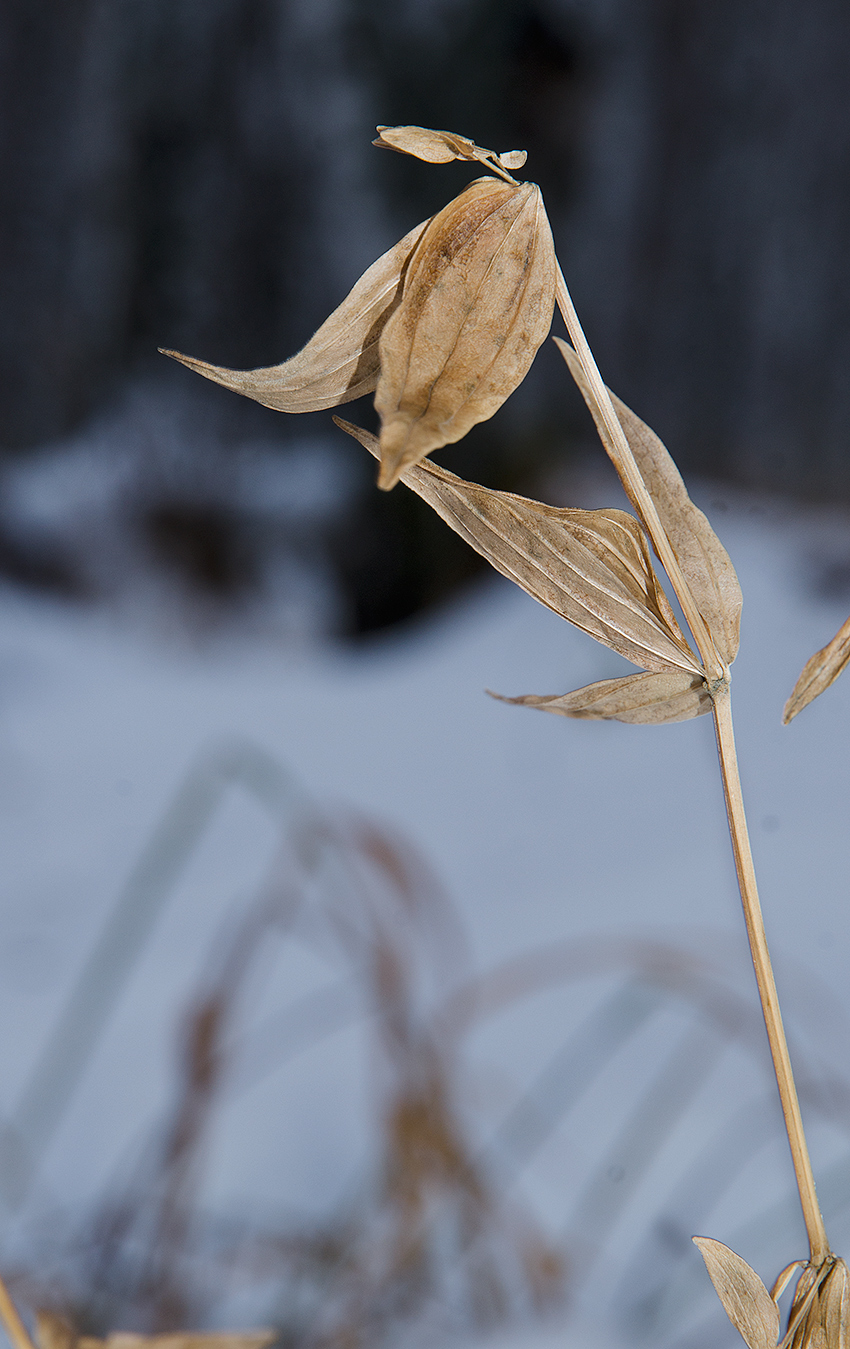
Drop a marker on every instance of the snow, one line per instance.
(542, 831)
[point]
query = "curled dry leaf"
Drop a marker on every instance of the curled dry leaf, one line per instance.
(591, 567)
(441, 147)
(820, 1312)
(341, 361)
(705, 564)
(821, 670)
(745, 1299)
(476, 306)
(443, 327)
(642, 699)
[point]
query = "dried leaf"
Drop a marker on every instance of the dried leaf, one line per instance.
(643, 699)
(477, 304)
(745, 1299)
(53, 1331)
(340, 362)
(182, 1339)
(835, 1299)
(591, 567)
(441, 147)
(821, 670)
(705, 564)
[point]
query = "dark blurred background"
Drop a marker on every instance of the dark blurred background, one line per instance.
(198, 174)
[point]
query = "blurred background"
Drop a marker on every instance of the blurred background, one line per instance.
(336, 996)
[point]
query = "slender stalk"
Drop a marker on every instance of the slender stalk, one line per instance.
(12, 1323)
(715, 668)
(818, 1243)
(717, 675)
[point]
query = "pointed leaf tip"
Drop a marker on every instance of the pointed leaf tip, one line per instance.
(590, 567)
(640, 699)
(341, 360)
(819, 671)
(745, 1299)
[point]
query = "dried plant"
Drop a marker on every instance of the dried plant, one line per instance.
(819, 671)
(444, 327)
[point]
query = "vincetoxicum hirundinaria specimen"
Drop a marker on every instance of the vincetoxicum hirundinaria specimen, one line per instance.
(443, 328)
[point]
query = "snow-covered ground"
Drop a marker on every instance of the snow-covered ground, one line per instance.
(542, 830)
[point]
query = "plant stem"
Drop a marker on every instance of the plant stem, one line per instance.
(12, 1323)
(818, 1243)
(624, 461)
(717, 676)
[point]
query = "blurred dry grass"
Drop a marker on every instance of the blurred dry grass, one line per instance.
(441, 1237)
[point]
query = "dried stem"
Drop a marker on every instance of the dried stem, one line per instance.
(818, 1243)
(717, 674)
(12, 1323)
(716, 669)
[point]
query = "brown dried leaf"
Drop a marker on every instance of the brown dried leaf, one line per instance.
(705, 564)
(53, 1331)
(441, 147)
(819, 671)
(341, 360)
(745, 1299)
(477, 304)
(835, 1300)
(182, 1339)
(642, 699)
(591, 567)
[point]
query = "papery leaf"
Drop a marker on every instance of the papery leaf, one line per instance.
(705, 564)
(819, 671)
(642, 699)
(441, 147)
(591, 567)
(477, 304)
(435, 147)
(836, 1307)
(182, 1339)
(745, 1299)
(340, 362)
(53, 1331)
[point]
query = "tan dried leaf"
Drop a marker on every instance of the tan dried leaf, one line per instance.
(591, 567)
(441, 147)
(819, 671)
(745, 1299)
(182, 1339)
(642, 699)
(835, 1299)
(705, 564)
(477, 304)
(52, 1331)
(340, 362)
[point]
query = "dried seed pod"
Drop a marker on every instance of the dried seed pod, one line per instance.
(477, 304)
(473, 293)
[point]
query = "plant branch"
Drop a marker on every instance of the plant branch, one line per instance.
(818, 1243)
(717, 672)
(12, 1323)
